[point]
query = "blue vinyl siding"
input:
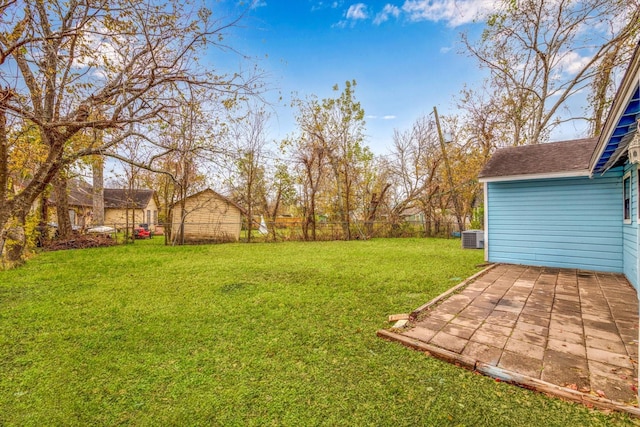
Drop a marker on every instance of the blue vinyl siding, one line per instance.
(563, 222)
(630, 232)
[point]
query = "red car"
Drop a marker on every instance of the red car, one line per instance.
(141, 233)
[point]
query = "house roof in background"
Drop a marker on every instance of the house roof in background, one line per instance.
(217, 195)
(555, 158)
(80, 193)
(116, 198)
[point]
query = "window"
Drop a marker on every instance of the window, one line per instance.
(638, 195)
(148, 217)
(626, 194)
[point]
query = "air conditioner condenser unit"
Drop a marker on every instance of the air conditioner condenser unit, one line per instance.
(473, 239)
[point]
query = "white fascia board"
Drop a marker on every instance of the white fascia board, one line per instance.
(486, 223)
(628, 85)
(525, 177)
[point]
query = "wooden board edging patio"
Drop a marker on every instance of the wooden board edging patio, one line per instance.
(507, 376)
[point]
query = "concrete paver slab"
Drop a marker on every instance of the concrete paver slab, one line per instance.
(565, 369)
(483, 353)
(525, 348)
(449, 342)
(578, 350)
(522, 364)
(569, 328)
(459, 331)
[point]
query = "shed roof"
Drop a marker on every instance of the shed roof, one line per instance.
(555, 158)
(217, 195)
(116, 198)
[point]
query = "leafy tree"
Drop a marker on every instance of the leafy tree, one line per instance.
(84, 65)
(333, 129)
(280, 191)
(310, 159)
(374, 185)
(466, 159)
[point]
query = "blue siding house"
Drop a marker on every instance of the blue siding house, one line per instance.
(572, 204)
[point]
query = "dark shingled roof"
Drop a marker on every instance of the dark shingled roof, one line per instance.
(120, 198)
(555, 157)
(80, 193)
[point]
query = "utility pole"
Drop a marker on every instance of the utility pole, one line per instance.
(447, 165)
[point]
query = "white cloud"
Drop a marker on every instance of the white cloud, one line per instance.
(445, 49)
(323, 5)
(389, 10)
(571, 62)
(98, 52)
(453, 12)
(387, 117)
(357, 11)
(340, 24)
(258, 3)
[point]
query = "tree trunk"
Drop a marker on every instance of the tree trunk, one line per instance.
(62, 206)
(249, 208)
(4, 150)
(183, 217)
(15, 241)
(274, 213)
(373, 209)
(98, 190)
(347, 206)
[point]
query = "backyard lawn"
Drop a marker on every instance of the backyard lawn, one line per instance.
(244, 334)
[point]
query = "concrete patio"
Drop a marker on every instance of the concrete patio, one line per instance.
(570, 333)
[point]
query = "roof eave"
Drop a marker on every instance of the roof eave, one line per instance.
(536, 176)
(628, 87)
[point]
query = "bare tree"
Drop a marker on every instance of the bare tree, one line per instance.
(249, 150)
(540, 53)
(100, 65)
(190, 136)
(413, 164)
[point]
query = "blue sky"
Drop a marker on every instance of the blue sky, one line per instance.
(405, 57)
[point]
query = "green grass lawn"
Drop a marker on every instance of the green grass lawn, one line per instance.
(244, 334)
